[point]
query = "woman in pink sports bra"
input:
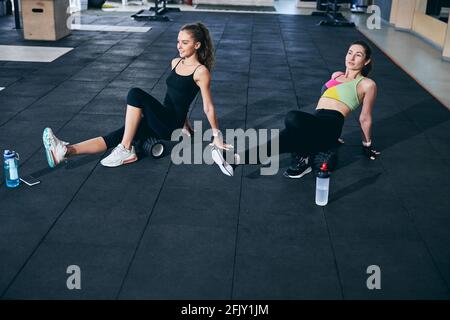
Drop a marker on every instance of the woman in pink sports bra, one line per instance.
(308, 134)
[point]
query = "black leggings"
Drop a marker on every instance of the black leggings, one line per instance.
(158, 121)
(306, 134)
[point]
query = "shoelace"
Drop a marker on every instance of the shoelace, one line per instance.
(119, 149)
(298, 161)
(295, 159)
(59, 147)
(55, 141)
(116, 150)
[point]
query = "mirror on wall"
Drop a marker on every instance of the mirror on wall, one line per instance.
(438, 9)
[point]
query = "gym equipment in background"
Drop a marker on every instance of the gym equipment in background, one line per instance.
(333, 16)
(359, 6)
(156, 13)
(97, 4)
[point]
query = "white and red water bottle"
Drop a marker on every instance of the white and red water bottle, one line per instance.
(322, 185)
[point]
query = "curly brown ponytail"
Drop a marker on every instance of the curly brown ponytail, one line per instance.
(200, 33)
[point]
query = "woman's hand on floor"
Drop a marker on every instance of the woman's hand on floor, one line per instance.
(218, 143)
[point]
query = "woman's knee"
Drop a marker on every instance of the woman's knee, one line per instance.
(134, 97)
(291, 119)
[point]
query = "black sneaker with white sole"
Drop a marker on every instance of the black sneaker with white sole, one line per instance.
(299, 167)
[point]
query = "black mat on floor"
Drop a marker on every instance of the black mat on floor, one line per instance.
(153, 229)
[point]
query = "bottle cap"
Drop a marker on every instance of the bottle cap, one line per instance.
(8, 154)
(323, 171)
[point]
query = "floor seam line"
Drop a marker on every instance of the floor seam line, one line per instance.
(242, 177)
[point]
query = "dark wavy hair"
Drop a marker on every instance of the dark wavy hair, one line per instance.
(368, 51)
(200, 33)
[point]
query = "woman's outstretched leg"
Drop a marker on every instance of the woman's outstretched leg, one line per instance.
(263, 153)
(140, 106)
(57, 150)
(91, 146)
(297, 138)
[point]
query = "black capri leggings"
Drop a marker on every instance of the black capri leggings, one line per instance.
(307, 134)
(158, 121)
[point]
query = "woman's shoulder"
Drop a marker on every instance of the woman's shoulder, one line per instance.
(368, 83)
(175, 61)
(201, 71)
(337, 74)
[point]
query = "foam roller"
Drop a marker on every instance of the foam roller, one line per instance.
(153, 147)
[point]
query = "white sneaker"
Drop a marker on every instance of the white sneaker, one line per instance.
(119, 156)
(226, 168)
(55, 149)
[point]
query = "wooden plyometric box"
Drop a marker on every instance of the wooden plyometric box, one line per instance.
(45, 19)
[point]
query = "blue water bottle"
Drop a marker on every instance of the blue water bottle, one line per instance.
(11, 168)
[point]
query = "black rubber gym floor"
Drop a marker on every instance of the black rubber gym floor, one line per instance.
(155, 230)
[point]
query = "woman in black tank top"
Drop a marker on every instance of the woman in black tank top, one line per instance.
(146, 116)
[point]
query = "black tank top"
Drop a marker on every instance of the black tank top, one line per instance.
(181, 91)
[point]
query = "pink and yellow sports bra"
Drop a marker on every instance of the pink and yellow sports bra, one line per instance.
(344, 92)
